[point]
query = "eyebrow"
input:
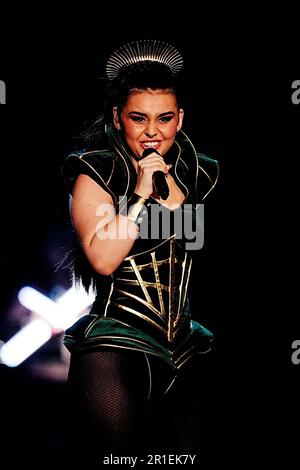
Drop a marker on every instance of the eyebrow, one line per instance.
(145, 115)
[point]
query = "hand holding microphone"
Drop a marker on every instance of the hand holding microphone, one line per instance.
(151, 175)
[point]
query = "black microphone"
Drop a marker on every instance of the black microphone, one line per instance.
(159, 180)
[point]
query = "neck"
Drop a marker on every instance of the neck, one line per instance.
(134, 163)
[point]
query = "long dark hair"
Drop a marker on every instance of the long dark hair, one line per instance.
(138, 76)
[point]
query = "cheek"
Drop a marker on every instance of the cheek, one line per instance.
(171, 131)
(130, 130)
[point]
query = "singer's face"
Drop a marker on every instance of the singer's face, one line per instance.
(150, 118)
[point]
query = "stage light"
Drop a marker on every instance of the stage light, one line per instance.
(56, 315)
(30, 338)
(39, 303)
(71, 304)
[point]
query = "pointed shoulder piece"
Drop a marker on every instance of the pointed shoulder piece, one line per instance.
(97, 164)
(203, 171)
(207, 177)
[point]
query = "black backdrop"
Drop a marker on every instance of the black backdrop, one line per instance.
(240, 62)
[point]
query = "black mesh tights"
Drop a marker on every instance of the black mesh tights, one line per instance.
(119, 397)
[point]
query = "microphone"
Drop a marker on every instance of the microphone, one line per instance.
(159, 180)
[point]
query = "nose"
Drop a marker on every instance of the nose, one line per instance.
(151, 130)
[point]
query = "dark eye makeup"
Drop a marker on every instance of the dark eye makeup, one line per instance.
(141, 118)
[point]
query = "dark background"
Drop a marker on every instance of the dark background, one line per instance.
(240, 62)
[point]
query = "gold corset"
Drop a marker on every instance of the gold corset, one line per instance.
(150, 289)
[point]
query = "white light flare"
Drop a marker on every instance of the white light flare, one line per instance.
(39, 303)
(30, 338)
(56, 316)
(71, 304)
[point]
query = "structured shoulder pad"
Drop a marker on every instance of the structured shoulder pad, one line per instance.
(208, 174)
(98, 164)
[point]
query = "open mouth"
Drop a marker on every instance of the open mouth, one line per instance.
(151, 144)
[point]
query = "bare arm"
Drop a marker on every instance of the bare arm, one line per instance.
(106, 237)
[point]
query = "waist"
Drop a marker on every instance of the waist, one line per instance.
(149, 290)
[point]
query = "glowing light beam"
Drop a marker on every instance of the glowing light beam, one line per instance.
(56, 315)
(30, 338)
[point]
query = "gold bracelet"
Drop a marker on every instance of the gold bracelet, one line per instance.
(134, 207)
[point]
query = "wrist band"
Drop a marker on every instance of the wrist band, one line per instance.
(133, 211)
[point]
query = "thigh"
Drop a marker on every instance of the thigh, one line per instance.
(111, 389)
(189, 405)
(105, 368)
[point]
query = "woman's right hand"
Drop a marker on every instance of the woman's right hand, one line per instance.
(145, 169)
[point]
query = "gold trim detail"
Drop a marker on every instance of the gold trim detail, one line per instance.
(158, 285)
(141, 282)
(164, 302)
(171, 293)
(100, 177)
(134, 282)
(138, 314)
(215, 182)
(146, 265)
(112, 170)
(108, 300)
(138, 299)
(186, 269)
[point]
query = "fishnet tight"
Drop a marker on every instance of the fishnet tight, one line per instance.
(111, 389)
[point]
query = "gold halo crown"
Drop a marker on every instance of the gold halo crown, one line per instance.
(142, 50)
